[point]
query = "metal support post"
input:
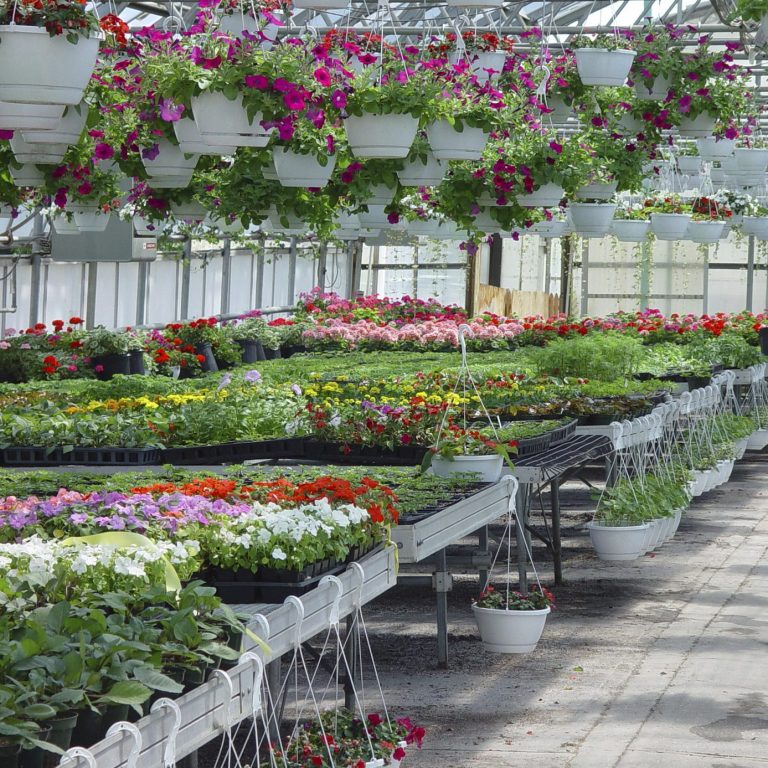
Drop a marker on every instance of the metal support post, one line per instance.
(350, 642)
(705, 286)
(322, 266)
(141, 293)
(226, 275)
(292, 256)
(274, 678)
(521, 520)
(442, 581)
(557, 549)
(585, 276)
(186, 273)
(90, 296)
(190, 761)
(259, 291)
(750, 272)
(482, 544)
(35, 282)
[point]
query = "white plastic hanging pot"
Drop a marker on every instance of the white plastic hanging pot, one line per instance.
(484, 222)
(592, 219)
(554, 228)
(711, 148)
(656, 92)
(15, 116)
(484, 65)
(755, 225)
(449, 144)
(740, 448)
(192, 143)
(599, 66)
(752, 160)
(630, 230)
(27, 176)
(758, 440)
(36, 68)
(322, 5)
(415, 173)
(375, 217)
(705, 231)
(191, 212)
(560, 111)
(171, 181)
(63, 226)
(37, 154)
(380, 194)
(141, 227)
(546, 196)
(670, 226)
(505, 631)
(618, 542)
(295, 224)
(675, 523)
(224, 122)
(597, 190)
(296, 170)
(381, 136)
(238, 22)
(90, 219)
(630, 125)
(689, 165)
(67, 131)
(694, 127)
(488, 468)
(423, 227)
(169, 161)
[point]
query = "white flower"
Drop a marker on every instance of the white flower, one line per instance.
(278, 554)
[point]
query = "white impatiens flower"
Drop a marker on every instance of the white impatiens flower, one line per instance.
(278, 554)
(128, 566)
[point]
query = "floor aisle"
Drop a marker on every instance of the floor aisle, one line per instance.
(659, 662)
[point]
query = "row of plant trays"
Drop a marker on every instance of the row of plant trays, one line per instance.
(270, 585)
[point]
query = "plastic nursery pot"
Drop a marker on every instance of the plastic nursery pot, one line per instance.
(271, 354)
(89, 728)
(762, 335)
(107, 366)
(614, 542)
(10, 755)
(251, 350)
(487, 467)
(33, 757)
(209, 363)
(599, 66)
(60, 735)
(383, 136)
(505, 631)
(115, 713)
(136, 362)
(758, 440)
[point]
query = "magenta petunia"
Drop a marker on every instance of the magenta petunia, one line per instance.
(339, 99)
(103, 151)
(259, 82)
(323, 76)
(294, 101)
(170, 111)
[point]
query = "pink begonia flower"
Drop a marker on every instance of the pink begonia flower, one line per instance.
(25, 346)
(72, 368)
(98, 368)
(4, 345)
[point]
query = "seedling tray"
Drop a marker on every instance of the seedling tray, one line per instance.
(219, 453)
(338, 453)
(44, 457)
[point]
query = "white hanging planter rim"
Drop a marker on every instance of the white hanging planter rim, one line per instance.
(449, 144)
(381, 136)
(600, 66)
(15, 116)
(296, 170)
(504, 631)
(487, 467)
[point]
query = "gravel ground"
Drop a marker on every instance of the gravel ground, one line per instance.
(537, 709)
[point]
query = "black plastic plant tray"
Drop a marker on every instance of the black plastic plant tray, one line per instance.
(336, 453)
(531, 445)
(561, 434)
(287, 448)
(32, 456)
(409, 518)
(264, 591)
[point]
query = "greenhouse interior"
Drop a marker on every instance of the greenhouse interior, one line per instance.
(382, 383)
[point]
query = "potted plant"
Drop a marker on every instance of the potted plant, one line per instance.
(48, 51)
(485, 53)
(248, 333)
(421, 168)
(603, 60)
(630, 223)
(458, 450)
(592, 218)
(108, 351)
(669, 216)
(708, 220)
(200, 335)
(510, 621)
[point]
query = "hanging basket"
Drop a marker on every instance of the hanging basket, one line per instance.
(37, 154)
(592, 219)
(670, 226)
(752, 160)
(63, 226)
(597, 190)
(381, 136)
(554, 228)
(189, 212)
(505, 631)
(91, 219)
(171, 181)
(618, 542)
(705, 231)
(755, 225)
(322, 5)
(484, 222)
(630, 231)
(296, 170)
(488, 468)
(711, 149)
(418, 174)
(380, 194)
(67, 131)
(560, 111)
(192, 143)
(27, 176)
(23, 117)
(449, 144)
(224, 122)
(599, 66)
(238, 22)
(546, 196)
(758, 440)
(486, 66)
(169, 161)
(697, 127)
(36, 68)
(658, 90)
(689, 165)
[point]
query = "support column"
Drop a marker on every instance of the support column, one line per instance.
(259, 291)
(141, 293)
(495, 261)
(566, 269)
(442, 581)
(322, 266)
(35, 282)
(521, 520)
(750, 272)
(292, 256)
(90, 295)
(585, 276)
(186, 273)
(226, 276)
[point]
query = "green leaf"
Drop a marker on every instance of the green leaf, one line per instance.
(39, 711)
(127, 692)
(157, 681)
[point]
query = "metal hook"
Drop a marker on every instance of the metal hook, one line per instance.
(299, 606)
(169, 756)
(130, 728)
(336, 605)
(360, 571)
(220, 674)
(77, 752)
(258, 676)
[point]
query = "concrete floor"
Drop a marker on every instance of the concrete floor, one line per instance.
(662, 661)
